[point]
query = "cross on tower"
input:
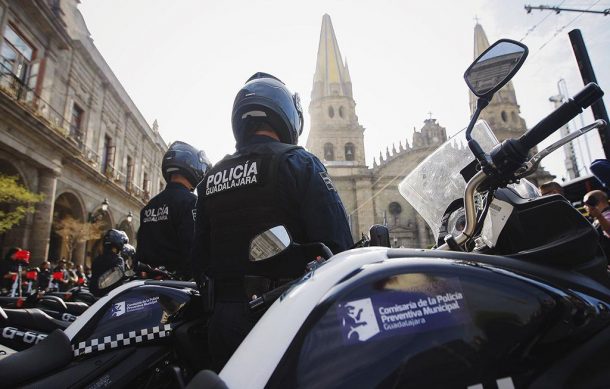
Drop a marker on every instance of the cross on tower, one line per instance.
(430, 115)
(476, 19)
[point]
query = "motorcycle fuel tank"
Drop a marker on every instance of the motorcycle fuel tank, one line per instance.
(140, 314)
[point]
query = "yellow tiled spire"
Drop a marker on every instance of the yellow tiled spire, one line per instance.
(332, 76)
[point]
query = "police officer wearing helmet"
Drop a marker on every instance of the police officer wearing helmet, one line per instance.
(268, 181)
(166, 222)
(113, 240)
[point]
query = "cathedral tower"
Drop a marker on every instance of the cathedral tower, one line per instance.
(335, 135)
(502, 113)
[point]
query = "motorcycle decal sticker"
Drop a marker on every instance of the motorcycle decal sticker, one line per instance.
(118, 309)
(439, 305)
(123, 339)
(27, 337)
(132, 305)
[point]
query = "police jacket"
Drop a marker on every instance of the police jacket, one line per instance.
(264, 184)
(166, 229)
(108, 260)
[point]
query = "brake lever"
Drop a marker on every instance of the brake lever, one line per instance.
(528, 167)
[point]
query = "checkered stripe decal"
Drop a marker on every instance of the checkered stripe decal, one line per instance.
(123, 339)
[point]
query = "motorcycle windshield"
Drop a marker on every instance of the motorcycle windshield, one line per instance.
(436, 182)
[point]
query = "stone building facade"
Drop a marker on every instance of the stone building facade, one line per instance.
(371, 195)
(69, 130)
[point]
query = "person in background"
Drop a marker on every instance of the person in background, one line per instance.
(44, 276)
(596, 204)
(109, 260)
(165, 236)
(8, 269)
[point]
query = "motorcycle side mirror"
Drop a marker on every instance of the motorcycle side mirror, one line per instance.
(269, 243)
(110, 277)
(495, 67)
(380, 236)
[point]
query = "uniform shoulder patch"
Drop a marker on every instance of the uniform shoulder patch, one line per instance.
(329, 183)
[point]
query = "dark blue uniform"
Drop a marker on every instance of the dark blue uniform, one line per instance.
(264, 184)
(166, 229)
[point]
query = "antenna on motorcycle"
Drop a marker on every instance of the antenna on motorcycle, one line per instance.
(488, 74)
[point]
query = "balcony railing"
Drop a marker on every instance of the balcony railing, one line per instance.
(25, 97)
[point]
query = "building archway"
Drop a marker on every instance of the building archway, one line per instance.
(15, 237)
(67, 211)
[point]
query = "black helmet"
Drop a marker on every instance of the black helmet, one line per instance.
(265, 98)
(128, 251)
(184, 159)
(115, 238)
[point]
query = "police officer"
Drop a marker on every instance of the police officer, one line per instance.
(166, 222)
(113, 240)
(268, 181)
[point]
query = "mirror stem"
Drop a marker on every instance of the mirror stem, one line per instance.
(473, 144)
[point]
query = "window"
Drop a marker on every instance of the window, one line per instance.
(145, 183)
(129, 175)
(331, 112)
(349, 152)
(76, 120)
(15, 55)
(341, 112)
(107, 155)
(329, 152)
(513, 115)
(504, 116)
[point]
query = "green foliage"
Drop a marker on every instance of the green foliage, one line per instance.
(15, 202)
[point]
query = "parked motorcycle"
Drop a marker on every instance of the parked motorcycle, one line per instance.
(516, 295)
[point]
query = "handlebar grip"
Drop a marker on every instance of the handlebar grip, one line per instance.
(562, 115)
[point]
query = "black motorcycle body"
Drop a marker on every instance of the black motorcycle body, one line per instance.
(134, 336)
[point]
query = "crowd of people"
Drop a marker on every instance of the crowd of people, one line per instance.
(60, 275)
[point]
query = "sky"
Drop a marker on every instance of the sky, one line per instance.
(182, 62)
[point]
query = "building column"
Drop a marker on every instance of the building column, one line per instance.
(366, 211)
(422, 236)
(43, 218)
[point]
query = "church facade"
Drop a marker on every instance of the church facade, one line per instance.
(370, 194)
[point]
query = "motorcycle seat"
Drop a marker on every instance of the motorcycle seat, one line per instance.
(32, 319)
(49, 355)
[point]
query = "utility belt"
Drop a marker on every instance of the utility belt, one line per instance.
(243, 289)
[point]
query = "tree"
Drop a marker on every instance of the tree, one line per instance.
(15, 202)
(74, 231)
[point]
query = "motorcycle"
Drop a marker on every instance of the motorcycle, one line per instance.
(144, 333)
(516, 294)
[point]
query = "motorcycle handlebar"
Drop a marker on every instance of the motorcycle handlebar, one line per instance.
(562, 115)
(269, 297)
